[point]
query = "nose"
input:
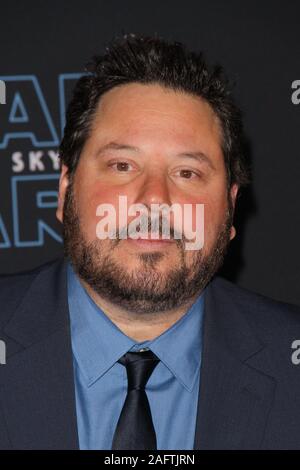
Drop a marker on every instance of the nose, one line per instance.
(154, 190)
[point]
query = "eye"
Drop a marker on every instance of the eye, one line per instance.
(188, 174)
(120, 166)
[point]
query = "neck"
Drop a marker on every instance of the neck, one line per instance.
(139, 327)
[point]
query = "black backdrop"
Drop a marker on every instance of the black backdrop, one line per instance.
(43, 48)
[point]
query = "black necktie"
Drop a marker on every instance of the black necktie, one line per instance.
(135, 430)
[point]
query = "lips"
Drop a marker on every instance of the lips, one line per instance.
(147, 237)
(150, 243)
(152, 240)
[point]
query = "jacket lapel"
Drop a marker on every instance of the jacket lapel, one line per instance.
(37, 390)
(236, 389)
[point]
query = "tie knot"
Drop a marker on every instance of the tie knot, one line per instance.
(139, 367)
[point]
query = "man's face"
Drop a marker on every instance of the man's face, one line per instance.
(152, 145)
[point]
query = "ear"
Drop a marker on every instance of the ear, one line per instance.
(63, 184)
(233, 194)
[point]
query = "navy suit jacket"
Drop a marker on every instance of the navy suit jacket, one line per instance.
(249, 396)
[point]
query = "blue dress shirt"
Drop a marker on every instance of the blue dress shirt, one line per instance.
(101, 382)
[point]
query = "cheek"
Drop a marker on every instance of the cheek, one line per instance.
(214, 215)
(214, 210)
(91, 197)
(88, 199)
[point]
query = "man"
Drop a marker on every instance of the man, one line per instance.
(136, 343)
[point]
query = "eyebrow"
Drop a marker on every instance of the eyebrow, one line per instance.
(115, 146)
(199, 156)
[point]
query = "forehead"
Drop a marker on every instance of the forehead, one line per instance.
(151, 113)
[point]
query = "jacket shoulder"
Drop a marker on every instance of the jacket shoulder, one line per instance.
(13, 287)
(259, 308)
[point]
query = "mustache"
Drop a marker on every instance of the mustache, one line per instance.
(150, 227)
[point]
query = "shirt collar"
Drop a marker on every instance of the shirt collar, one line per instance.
(98, 343)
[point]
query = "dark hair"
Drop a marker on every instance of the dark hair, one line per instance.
(143, 59)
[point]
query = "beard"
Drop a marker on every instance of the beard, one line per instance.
(146, 289)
